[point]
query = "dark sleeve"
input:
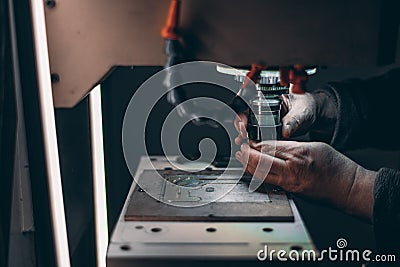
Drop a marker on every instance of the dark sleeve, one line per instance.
(368, 112)
(386, 212)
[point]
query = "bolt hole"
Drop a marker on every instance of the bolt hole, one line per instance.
(211, 229)
(139, 227)
(210, 215)
(210, 189)
(55, 78)
(153, 159)
(156, 229)
(125, 247)
(296, 247)
(267, 229)
(168, 168)
(209, 169)
(50, 3)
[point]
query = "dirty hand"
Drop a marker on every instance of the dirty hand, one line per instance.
(312, 169)
(300, 114)
(305, 112)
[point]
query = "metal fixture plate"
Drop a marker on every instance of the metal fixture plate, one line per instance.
(238, 204)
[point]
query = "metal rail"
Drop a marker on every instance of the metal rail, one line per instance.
(49, 135)
(99, 182)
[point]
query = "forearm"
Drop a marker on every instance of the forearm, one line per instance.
(349, 189)
(360, 199)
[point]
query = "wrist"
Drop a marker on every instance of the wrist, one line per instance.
(360, 198)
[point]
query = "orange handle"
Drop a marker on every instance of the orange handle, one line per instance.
(253, 74)
(169, 31)
(296, 75)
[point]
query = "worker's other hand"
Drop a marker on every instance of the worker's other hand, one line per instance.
(299, 113)
(240, 125)
(309, 111)
(312, 169)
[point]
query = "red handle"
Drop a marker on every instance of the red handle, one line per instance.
(295, 75)
(169, 31)
(253, 74)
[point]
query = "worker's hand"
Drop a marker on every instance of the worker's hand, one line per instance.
(302, 113)
(299, 113)
(312, 169)
(240, 125)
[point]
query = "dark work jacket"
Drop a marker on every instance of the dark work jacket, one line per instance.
(368, 116)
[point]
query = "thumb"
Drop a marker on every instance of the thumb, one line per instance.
(290, 123)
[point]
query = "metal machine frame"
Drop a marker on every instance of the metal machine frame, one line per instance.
(88, 38)
(51, 153)
(144, 242)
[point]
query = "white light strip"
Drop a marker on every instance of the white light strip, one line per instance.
(49, 135)
(99, 179)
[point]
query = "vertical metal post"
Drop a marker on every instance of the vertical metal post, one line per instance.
(99, 182)
(21, 244)
(49, 135)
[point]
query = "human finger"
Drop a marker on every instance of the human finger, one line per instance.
(286, 104)
(255, 158)
(282, 149)
(291, 122)
(263, 174)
